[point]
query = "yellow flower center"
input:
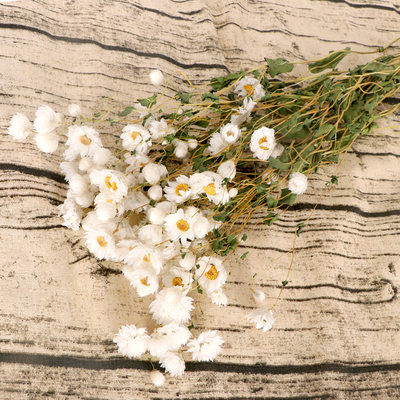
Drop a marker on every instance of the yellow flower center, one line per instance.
(110, 185)
(230, 133)
(182, 225)
(101, 241)
(261, 143)
(249, 89)
(182, 187)
(212, 273)
(210, 189)
(177, 281)
(147, 258)
(134, 135)
(85, 140)
(144, 282)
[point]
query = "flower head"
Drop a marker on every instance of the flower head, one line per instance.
(262, 318)
(206, 347)
(173, 363)
(249, 86)
(136, 137)
(262, 143)
(297, 183)
(131, 341)
(20, 126)
(81, 141)
(179, 226)
(46, 120)
(211, 274)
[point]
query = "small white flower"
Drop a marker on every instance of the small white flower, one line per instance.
(156, 77)
(141, 256)
(201, 225)
(219, 298)
(187, 261)
(46, 120)
(157, 378)
(171, 305)
(277, 151)
(85, 164)
(192, 143)
(173, 364)
(20, 126)
(156, 215)
(179, 226)
(178, 277)
(101, 156)
(243, 113)
(233, 192)
(136, 161)
(297, 183)
(131, 341)
(206, 347)
(211, 274)
(152, 173)
(230, 133)
(47, 142)
(100, 243)
(249, 86)
(210, 183)
(160, 129)
(169, 337)
(155, 192)
(136, 137)
(181, 148)
(227, 169)
(74, 110)
(106, 209)
(259, 296)
(78, 184)
(178, 191)
(262, 318)
(144, 280)
(217, 143)
(71, 213)
(262, 143)
(112, 183)
(151, 234)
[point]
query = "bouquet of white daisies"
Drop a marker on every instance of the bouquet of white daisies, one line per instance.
(170, 197)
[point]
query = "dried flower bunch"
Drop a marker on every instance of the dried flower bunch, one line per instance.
(173, 197)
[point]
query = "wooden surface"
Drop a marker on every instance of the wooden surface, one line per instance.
(337, 331)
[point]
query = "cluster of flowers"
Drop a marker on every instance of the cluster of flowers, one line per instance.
(137, 212)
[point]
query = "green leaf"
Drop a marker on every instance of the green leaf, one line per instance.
(184, 97)
(244, 255)
(278, 66)
(199, 290)
(287, 197)
(202, 122)
(299, 228)
(149, 102)
(334, 179)
(284, 283)
(220, 82)
(324, 130)
(210, 96)
(329, 61)
(277, 164)
(270, 219)
(244, 237)
(272, 203)
(127, 111)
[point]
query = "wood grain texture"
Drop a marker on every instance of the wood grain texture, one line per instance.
(337, 331)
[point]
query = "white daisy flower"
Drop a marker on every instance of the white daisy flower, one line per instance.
(210, 184)
(179, 226)
(46, 120)
(155, 192)
(20, 126)
(217, 144)
(181, 148)
(157, 378)
(152, 173)
(201, 225)
(187, 261)
(262, 318)
(141, 256)
(106, 208)
(227, 170)
(297, 183)
(131, 341)
(178, 277)
(262, 143)
(144, 280)
(249, 86)
(47, 142)
(103, 156)
(136, 162)
(112, 183)
(160, 129)
(71, 213)
(173, 364)
(206, 347)
(156, 77)
(169, 337)
(171, 305)
(230, 133)
(151, 234)
(211, 274)
(136, 137)
(243, 113)
(74, 110)
(178, 191)
(169, 249)
(92, 223)
(101, 244)
(219, 298)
